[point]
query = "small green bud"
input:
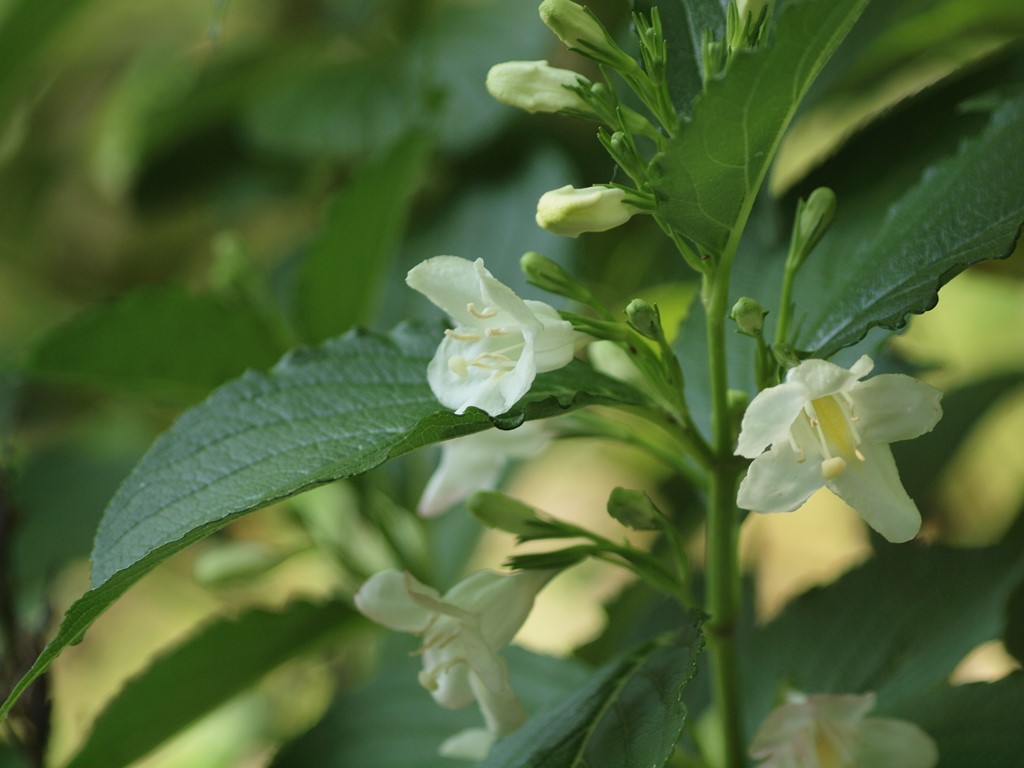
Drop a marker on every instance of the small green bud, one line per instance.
(496, 510)
(571, 212)
(645, 319)
(749, 316)
(535, 86)
(813, 218)
(634, 509)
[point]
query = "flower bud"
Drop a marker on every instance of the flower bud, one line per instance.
(496, 510)
(749, 316)
(812, 221)
(569, 211)
(535, 86)
(634, 509)
(580, 30)
(644, 319)
(751, 8)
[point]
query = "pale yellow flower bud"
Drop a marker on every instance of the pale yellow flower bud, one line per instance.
(575, 26)
(536, 87)
(569, 211)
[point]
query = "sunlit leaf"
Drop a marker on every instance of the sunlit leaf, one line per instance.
(220, 661)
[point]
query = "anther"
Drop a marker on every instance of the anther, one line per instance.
(462, 336)
(833, 467)
(497, 332)
(483, 314)
(457, 364)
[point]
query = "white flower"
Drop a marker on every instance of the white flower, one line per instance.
(573, 25)
(827, 428)
(462, 633)
(500, 342)
(475, 463)
(537, 87)
(569, 211)
(828, 731)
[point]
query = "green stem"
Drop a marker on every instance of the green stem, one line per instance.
(723, 574)
(785, 305)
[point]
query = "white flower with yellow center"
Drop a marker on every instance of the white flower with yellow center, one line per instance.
(500, 342)
(830, 731)
(825, 427)
(462, 633)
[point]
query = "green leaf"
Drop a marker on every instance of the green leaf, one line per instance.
(339, 280)
(897, 625)
(220, 661)
(393, 722)
(629, 715)
(976, 725)
(320, 415)
(965, 209)
(161, 341)
(684, 22)
(707, 178)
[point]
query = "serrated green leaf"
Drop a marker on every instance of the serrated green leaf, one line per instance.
(715, 164)
(967, 208)
(339, 280)
(629, 715)
(320, 415)
(393, 722)
(220, 661)
(161, 341)
(976, 725)
(897, 625)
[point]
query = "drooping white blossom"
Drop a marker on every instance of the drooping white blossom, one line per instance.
(826, 427)
(571, 212)
(832, 731)
(475, 463)
(500, 342)
(462, 633)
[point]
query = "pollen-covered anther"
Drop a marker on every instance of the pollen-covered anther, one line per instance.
(497, 332)
(457, 364)
(483, 314)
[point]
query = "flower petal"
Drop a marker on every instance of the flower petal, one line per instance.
(769, 417)
(500, 706)
(822, 378)
(386, 599)
(777, 482)
(555, 344)
(895, 407)
(453, 284)
(446, 677)
(493, 392)
(873, 488)
(888, 743)
(471, 744)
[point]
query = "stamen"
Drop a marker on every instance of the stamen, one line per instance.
(483, 314)
(816, 424)
(858, 454)
(497, 332)
(802, 457)
(462, 336)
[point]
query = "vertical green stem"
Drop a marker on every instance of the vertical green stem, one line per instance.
(723, 573)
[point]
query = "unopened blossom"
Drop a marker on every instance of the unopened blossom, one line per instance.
(833, 731)
(826, 427)
(500, 342)
(570, 211)
(573, 25)
(462, 633)
(475, 463)
(535, 86)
